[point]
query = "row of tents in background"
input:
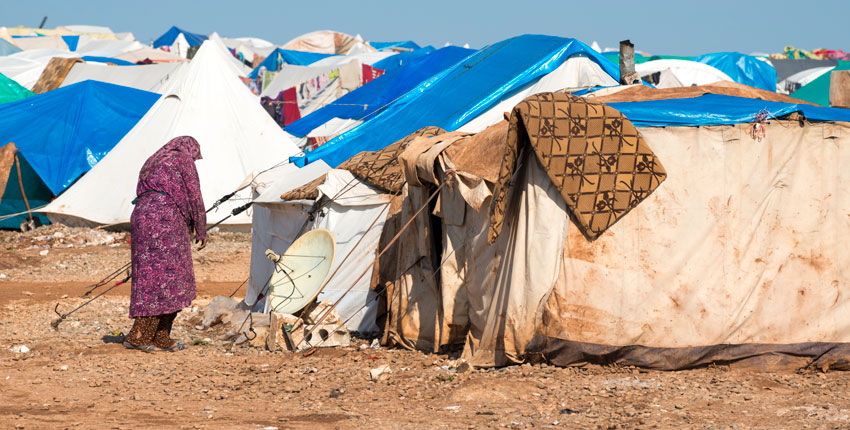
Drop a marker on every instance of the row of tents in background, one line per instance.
(536, 167)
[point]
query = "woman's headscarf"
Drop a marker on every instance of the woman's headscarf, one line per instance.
(183, 144)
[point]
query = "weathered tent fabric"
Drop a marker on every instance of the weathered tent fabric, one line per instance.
(209, 103)
(25, 67)
(714, 109)
(799, 79)
(324, 42)
(54, 74)
(702, 274)
(743, 69)
(149, 77)
(752, 278)
(367, 99)
(63, 143)
(593, 155)
(452, 98)
(11, 199)
(634, 93)
(786, 67)
(11, 91)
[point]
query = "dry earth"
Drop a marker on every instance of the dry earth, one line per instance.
(81, 377)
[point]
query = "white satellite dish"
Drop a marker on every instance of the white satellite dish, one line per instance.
(301, 271)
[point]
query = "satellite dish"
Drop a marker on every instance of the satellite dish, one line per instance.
(300, 273)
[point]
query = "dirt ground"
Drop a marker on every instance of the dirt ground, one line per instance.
(81, 376)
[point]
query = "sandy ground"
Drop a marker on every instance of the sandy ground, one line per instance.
(81, 377)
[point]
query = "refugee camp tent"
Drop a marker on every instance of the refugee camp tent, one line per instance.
(207, 102)
(353, 202)
(475, 86)
(366, 100)
(534, 276)
(16, 174)
(817, 91)
(25, 67)
(146, 53)
(277, 58)
(150, 77)
(685, 72)
(327, 42)
(28, 43)
(11, 91)
(799, 79)
(178, 41)
(60, 145)
(743, 69)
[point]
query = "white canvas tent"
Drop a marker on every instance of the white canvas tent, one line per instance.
(687, 73)
(151, 77)
(208, 102)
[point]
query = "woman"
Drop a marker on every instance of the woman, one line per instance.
(168, 208)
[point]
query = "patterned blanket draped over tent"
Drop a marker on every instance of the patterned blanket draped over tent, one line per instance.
(593, 154)
(53, 75)
(380, 169)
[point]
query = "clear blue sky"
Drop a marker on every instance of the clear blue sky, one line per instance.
(657, 27)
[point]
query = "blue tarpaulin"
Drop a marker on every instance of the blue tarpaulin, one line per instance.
(452, 98)
(402, 59)
(743, 69)
(279, 57)
(408, 44)
(168, 38)
(716, 109)
(62, 144)
(72, 42)
(367, 99)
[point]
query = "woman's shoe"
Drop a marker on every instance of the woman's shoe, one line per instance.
(173, 348)
(145, 348)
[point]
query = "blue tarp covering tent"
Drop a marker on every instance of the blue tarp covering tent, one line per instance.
(114, 61)
(62, 144)
(743, 69)
(715, 109)
(279, 57)
(401, 59)
(407, 44)
(72, 42)
(168, 38)
(6, 48)
(452, 98)
(367, 99)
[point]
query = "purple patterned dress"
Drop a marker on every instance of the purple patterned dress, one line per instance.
(168, 208)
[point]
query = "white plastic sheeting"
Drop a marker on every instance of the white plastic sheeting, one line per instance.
(797, 80)
(152, 77)
(354, 206)
(576, 72)
(688, 73)
(208, 102)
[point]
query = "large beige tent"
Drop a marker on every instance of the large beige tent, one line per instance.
(736, 256)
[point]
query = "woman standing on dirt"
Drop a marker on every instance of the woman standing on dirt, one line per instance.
(169, 207)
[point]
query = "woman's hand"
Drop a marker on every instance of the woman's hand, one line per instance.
(202, 242)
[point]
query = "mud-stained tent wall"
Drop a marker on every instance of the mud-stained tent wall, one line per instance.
(736, 257)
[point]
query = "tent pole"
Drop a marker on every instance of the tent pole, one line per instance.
(21, 185)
